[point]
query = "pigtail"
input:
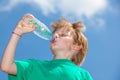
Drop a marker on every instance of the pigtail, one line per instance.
(54, 25)
(79, 26)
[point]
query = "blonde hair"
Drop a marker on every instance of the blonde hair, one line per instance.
(78, 37)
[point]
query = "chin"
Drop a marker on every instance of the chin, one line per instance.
(55, 49)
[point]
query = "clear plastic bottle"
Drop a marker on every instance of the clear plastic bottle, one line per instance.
(42, 30)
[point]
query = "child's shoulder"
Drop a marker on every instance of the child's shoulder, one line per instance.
(82, 70)
(37, 61)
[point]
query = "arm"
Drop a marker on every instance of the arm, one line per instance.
(7, 64)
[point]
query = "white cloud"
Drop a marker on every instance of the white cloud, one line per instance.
(75, 8)
(82, 7)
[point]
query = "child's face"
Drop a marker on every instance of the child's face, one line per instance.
(63, 40)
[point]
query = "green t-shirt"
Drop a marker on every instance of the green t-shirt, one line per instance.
(58, 69)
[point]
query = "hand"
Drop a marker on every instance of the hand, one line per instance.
(24, 26)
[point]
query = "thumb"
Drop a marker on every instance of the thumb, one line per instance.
(33, 28)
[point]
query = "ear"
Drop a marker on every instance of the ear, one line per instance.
(77, 47)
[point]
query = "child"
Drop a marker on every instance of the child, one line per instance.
(69, 49)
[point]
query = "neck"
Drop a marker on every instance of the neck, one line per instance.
(62, 55)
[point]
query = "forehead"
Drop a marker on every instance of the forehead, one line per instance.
(62, 30)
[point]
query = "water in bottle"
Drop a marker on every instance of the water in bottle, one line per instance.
(42, 30)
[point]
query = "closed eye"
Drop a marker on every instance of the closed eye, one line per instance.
(63, 35)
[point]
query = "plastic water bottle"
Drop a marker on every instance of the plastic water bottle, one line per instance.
(42, 30)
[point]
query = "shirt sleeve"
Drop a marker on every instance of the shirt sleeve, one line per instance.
(22, 66)
(88, 76)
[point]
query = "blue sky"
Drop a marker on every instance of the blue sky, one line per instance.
(102, 21)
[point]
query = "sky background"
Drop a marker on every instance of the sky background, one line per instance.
(102, 21)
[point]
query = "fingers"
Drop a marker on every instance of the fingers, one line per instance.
(24, 25)
(27, 17)
(24, 22)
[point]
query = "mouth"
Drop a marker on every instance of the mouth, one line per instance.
(53, 40)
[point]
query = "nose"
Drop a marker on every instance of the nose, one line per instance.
(54, 38)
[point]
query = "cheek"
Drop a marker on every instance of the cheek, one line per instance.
(65, 43)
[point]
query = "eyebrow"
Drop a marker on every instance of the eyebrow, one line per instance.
(64, 30)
